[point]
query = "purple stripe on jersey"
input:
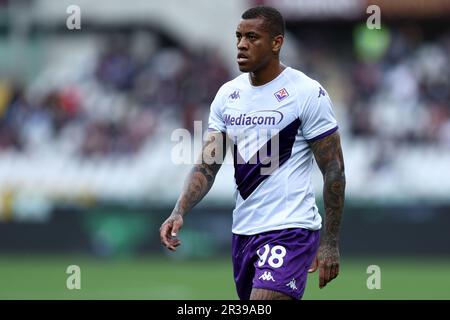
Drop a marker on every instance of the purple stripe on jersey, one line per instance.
(248, 174)
(323, 135)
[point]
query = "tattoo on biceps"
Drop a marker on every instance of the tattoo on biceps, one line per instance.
(328, 153)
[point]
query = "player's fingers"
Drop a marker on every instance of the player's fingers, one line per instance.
(176, 227)
(314, 265)
(334, 271)
(322, 282)
(173, 247)
(172, 244)
(327, 273)
(164, 233)
(176, 243)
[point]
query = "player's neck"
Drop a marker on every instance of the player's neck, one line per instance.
(267, 74)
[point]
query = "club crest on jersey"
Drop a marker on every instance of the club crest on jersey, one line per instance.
(281, 94)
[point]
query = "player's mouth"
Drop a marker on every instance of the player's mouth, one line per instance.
(242, 58)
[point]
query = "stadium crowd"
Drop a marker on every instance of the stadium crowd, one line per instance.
(399, 93)
(114, 107)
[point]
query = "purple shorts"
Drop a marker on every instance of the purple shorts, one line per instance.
(274, 260)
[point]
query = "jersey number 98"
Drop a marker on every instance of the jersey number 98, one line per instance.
(275, 260)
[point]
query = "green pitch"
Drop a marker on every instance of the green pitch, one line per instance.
(38, 277)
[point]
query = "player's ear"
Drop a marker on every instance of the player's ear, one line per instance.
(277, 42)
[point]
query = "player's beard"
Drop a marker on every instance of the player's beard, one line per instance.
(251, 66)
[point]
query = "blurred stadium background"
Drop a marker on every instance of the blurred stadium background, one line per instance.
(86, 123)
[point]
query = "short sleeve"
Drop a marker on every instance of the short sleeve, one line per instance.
(317, 117)
(215, 121)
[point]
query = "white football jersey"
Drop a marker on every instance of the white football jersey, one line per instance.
(270, 127)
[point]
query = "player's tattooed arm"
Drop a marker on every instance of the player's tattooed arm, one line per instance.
(197, 185)
(328, 155)
(202, 175)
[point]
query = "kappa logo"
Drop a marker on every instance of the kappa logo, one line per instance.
(321, 92)
(281, 94)
(234, 95)
(267, 275)
(292, 284)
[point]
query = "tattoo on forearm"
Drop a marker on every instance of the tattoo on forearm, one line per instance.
(328, 154)
(202, 175)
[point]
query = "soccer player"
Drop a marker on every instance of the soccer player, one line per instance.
(272, 114)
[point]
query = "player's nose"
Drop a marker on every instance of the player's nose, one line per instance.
(242, 44)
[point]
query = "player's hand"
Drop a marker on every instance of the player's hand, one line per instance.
(327, 260)
(169, 231)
